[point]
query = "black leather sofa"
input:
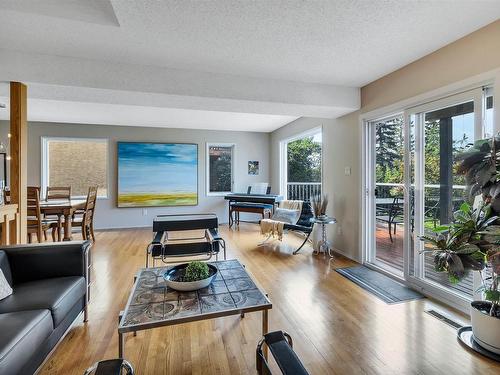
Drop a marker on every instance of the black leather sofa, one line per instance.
(50, 290)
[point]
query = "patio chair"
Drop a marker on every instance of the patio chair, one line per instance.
(391, 216)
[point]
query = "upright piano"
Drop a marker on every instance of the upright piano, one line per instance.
(255, 203)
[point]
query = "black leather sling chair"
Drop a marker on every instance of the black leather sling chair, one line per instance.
(303, 225)
(280, 345)
(164, 248)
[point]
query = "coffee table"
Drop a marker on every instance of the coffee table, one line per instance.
(152, 304)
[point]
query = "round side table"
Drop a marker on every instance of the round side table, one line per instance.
(324, 246)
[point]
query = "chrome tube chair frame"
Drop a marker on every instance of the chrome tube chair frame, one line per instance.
(169, 251)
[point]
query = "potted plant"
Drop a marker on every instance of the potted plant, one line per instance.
(190, 276)
(472, 241)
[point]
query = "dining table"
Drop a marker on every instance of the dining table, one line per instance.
(63, 208)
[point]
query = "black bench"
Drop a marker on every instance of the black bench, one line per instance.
(281, 347)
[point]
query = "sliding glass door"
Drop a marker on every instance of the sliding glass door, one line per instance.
(413, 187)
(388, 194)
(443, 130)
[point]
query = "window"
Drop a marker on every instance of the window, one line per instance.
(300, 165)
(75, 162)
(220, 160)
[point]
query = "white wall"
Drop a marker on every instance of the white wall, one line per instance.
(340, 149)
(249, 146)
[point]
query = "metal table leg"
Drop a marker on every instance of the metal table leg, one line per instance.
(265, 329)
(121, 345)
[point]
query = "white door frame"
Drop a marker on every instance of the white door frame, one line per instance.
(368, 185)
(370, 255)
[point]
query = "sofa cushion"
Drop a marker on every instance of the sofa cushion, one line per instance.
(4, 266)
(58, 294)
(22, 334)
(5, 288)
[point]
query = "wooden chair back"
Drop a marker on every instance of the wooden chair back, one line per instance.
(33, 211)
(58, 192)
(88, 214)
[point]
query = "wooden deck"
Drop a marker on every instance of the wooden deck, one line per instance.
(391, 253)
(387, 251)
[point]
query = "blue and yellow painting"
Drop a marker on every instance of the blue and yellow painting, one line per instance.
(157, 174)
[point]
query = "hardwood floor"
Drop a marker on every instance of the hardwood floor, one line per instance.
(337, 327)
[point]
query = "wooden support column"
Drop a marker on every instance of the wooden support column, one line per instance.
(19, 156)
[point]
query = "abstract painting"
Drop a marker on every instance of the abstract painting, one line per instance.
(157, 174)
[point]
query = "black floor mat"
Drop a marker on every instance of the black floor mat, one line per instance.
(380, 285)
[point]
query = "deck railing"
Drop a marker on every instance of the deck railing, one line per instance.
(303, 190)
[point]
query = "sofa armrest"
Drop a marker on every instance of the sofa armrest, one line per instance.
(42, 261)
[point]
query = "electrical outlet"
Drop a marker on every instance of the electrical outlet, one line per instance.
(339, 230)
(144, 212)
(347, 171)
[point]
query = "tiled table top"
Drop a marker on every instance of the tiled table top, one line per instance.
(152, 304)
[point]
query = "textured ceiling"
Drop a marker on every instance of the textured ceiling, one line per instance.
(235, 65)
(342, 42)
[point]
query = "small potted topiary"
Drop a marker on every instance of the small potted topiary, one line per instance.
(190, 276)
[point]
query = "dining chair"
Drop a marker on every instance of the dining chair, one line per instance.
(58, 193)
(6, 195)
(86, 221)
(36, 224)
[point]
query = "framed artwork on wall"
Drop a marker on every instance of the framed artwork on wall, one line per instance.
(157, 174)
(253, 167)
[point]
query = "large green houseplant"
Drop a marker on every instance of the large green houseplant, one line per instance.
(472, 241)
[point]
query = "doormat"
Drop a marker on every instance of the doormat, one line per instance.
(380, 285)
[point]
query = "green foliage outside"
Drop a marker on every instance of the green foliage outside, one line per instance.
(390, 152)
(304, 160)
(220, 171)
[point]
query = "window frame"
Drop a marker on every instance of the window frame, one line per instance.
(207, 168)
(283, 156)
(44, 168)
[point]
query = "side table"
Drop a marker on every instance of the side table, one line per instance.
(324, 246)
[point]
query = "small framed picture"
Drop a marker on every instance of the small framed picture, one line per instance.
(253, 167)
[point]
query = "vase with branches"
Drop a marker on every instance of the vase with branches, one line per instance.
(319, 204)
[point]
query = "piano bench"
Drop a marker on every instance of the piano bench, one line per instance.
(255, 208)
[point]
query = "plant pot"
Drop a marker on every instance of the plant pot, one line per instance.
(174, 276)
(485, 328)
